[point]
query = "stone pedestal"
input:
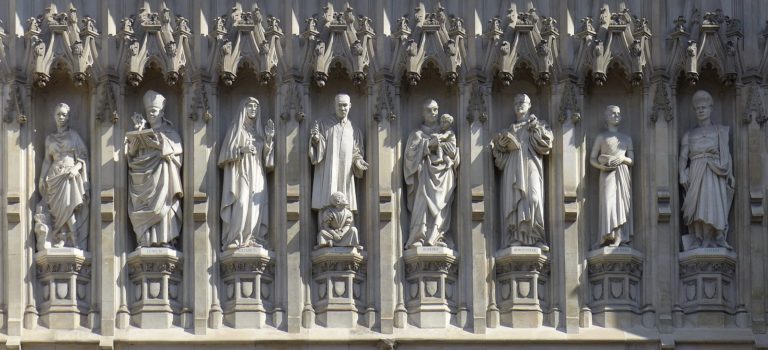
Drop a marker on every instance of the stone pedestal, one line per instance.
(155, 275)
(65, 275)
(614, 286)
(431, 274)
(339, 274)
(248, 275)
(521, 277)
(707, 291)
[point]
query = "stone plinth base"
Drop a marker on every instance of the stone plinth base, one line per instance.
(521, 276)
(431, 274)
(248, 275)
(614, 286)
(707, 292)
(65, 275)
(155, 275)
(339, 274)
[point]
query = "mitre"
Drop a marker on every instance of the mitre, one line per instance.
(154, 99)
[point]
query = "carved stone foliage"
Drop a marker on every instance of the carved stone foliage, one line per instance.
(620, 38)
(436, 38)
(338, 37)
(244, 36)
(153, 38)
(61, 38)
(522, 38)
(712, 39)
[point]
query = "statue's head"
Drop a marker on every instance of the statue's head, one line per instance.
(612, 115)
(153, 105)
(702, 105)
(343, 104)
(252, 106)
(61, 114)
(446, 122)
(430, 111)
(339, 200)
(522, 103)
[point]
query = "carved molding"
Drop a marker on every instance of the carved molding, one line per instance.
(537, 265)
(169, 266)
(726, 267)
(709, 40)
(338, 37)
(634, 268)
(241, 37)
(251, 265)
(56, 39)
(621, 39)
(570, 108)
(662, 103)
(149, 39)
(442, 266)
(437, 38)
(754, 108)
(522, 38)
(353, 265)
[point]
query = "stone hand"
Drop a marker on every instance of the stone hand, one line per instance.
(138, 121)
(361, 164)
(269, 130)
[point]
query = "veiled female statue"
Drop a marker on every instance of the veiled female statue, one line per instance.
(246, 156)
(612, 154)
(62, 216)
(706, 174)
(430, 179)
(154, 181)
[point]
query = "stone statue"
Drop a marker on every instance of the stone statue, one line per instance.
(518, 153)
(707, 176)
(336, 151)
(154, 181)
(246, 155)
(431, 159)
(612, 154)
(337, 224)
(62, 214)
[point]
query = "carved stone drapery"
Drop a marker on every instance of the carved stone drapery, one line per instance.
(60, 37)
(712, 39)
(619, 38)
(437, 38)
(522, 38)
(243, 38)
(148, 38)
(338, 37)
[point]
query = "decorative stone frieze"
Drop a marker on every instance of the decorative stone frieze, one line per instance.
(521, 279)
(65, 296)
(155, 288)
(249, 283)
(339, 275)
(430, 291)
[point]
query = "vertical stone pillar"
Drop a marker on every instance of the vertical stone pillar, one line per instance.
(155, 275)
(521, 276)
(339, 275)
(248, 275)
(65, 276)
(615, 275)
(430, 290)
(707, 288)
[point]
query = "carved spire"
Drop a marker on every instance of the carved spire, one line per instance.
(246, 37)
(712, 39)
(437, 38)
(150, 37)
(60, 37)
(339, 37)
(522, 38)
(620, 38)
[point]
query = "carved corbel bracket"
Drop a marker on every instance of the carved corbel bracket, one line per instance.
(338, 37)
(107, 106)
(15, 109)
(477, 108)
(620, 39)
(570, 108)
(662, 104)
(61, 39)
(385, 107)
(522, 38)
(437, 39)
(710, 40)
(149, 38)
(242, 37)
(753, 108)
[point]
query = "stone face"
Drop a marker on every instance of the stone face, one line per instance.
(283, 186)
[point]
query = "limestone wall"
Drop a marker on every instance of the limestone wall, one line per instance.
(571, 57)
